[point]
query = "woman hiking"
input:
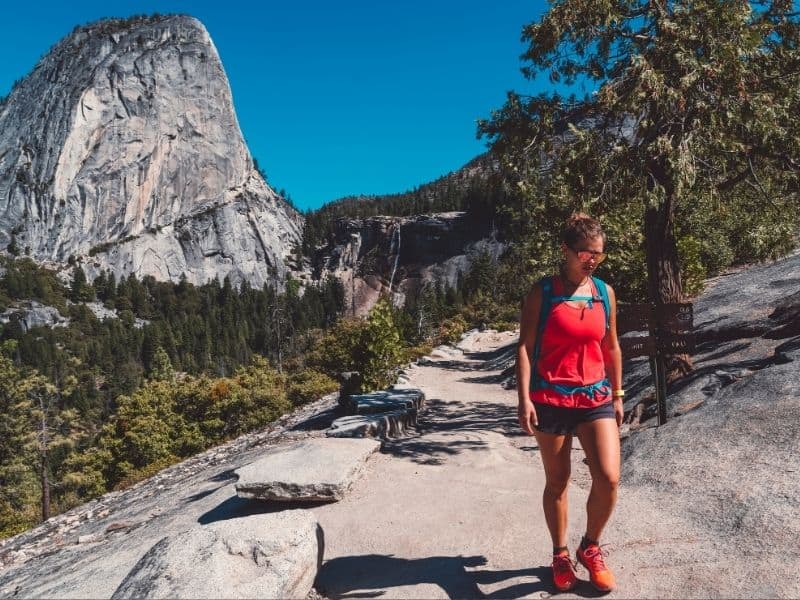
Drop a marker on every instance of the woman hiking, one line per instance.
(569, 382)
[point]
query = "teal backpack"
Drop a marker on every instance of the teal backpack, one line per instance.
(548, 300)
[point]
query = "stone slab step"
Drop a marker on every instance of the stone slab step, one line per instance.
(379, 425)
(385, 401)
(316, 469)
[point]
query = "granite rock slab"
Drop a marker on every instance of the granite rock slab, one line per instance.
(379, 425)
(274, 555)
(385, 401)
(316, 469)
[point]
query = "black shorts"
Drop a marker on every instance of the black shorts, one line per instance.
(561, 421)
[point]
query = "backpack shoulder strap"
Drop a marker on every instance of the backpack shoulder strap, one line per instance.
(547, 304)
(602, 291)
(546, 284)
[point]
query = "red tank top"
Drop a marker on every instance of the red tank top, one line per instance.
(570, 353)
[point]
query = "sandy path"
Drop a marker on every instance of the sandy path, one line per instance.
(455, 510)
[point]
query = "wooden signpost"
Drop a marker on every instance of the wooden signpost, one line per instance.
(664, 329)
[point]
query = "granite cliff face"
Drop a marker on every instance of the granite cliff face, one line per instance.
(122, 149)
(401, 254)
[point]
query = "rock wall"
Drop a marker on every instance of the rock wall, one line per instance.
(122, 148)
(401, 254)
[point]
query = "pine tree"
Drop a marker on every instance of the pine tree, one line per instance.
(694, 101)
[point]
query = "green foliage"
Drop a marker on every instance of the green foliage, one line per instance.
(373, 347)
(308, 385)
(104, 427)
(482, 275)
(693, 271)
(13, 246)
(80, 290)
(25, 280)
(167, 420)
(694, 124)
(162, 367)
(19, 492)
(83, 473)
(383, 347)
(451, 330)
(340, 348)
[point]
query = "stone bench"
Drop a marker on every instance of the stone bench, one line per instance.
(312, 470)
(386, 413)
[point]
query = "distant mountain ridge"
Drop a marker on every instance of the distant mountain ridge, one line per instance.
(121, 150)
(474, 188)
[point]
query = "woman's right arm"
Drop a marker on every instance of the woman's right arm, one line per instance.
(529, 322)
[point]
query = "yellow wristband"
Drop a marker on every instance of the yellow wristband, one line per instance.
(618, 393)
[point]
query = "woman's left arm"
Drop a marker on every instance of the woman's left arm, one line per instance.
(612, 355)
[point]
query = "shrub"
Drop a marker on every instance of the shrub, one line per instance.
(451, 330)
(693, 272)
(308, 385)
(372, 347)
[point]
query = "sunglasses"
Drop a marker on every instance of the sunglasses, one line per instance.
(587, 255)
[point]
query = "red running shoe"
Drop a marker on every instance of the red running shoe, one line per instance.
(599, 574)
(563, 572)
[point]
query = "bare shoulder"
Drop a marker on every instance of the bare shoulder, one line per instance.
(533, 297)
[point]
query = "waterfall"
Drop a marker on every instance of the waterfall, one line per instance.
(396, 256)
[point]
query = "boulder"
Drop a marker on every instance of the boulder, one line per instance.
(380, 425)
(32, 314)
(273, 555)
(385, 401)
(316, 469)
(349, 384)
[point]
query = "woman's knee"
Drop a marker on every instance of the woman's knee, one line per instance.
(606, 480)
(557, 483)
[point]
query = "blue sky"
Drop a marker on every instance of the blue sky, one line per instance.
(334, 98)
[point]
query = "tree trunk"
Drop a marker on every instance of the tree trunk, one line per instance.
(45, 466)
(45, 489)
(663, 272)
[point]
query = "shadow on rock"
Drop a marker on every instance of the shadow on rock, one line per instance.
(319, 421)
(225, 476)
(489, 355)
(454, 365)
(496, 378)
(370, 575)
(236, 508)
(543, 588)
(441, 416)
(201, 495)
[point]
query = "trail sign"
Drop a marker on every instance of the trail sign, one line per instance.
(665, 329)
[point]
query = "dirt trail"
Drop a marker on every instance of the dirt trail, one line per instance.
(455, 510)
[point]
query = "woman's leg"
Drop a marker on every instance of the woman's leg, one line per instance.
(555, 450)
(600, 441)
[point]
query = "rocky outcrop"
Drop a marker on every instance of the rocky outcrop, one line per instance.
(390, 424)
(122, 148)
(311, 470)
(385, 400)
(381, 414)
(30, 314)
(732, 423)
(260, 556)
(401, 254)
